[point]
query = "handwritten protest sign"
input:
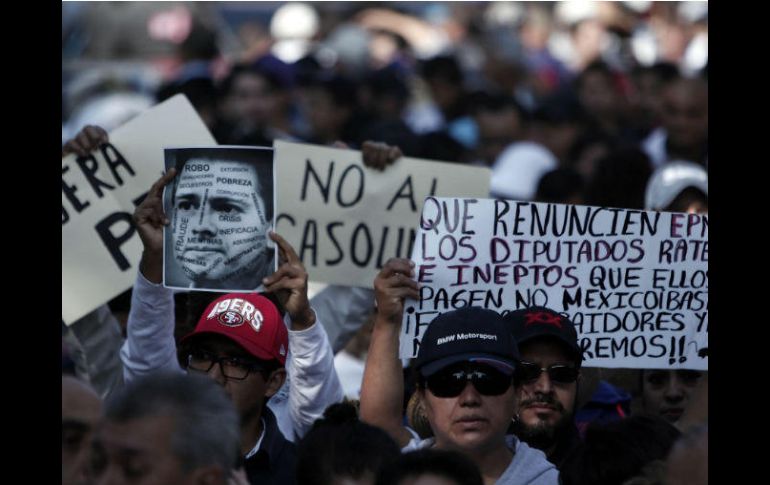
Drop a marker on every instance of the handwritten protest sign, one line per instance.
(100, 246)
(634, 283)
(346, 220)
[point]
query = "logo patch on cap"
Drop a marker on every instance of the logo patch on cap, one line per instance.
(230, 318)
(542, 317)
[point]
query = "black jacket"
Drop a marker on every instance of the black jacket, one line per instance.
(276, 459)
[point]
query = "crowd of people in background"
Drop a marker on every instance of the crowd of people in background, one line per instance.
(591, 103)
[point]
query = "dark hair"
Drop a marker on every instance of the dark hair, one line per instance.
(206, 425)
(199, 90)
(443, 67)
(620, 180)
(451, 465)
(558, 185)
(339, 445)
(616, 451)
(341, 89)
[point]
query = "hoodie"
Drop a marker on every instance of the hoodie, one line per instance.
(528, 467)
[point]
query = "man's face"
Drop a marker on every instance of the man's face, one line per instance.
(137, 451)
(220, 234)
(470, 422)
(544, 405)
(252, 103)
(248, 394)
(497, 130)
(80, 411)
(685, 113)
(666, 392)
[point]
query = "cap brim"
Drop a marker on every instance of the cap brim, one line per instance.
(247, 346)
(504, 365)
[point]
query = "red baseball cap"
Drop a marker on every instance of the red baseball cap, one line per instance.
(250, 320)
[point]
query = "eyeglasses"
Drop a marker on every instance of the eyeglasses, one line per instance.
(563, 374)
(231, 367)
(451, 381)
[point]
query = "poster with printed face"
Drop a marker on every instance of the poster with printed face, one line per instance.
(345, 220)
(220, 205)
(101, 248)
(634, 283)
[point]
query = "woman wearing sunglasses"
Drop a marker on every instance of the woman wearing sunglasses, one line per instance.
(465, 367)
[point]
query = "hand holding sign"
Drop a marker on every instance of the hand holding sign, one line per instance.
(150, 219)
(379, 155)
(289, 284)
(391, 286)
(87, 140)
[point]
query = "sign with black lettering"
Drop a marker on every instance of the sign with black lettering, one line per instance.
(345, 220)
(634, 283)
(220, 206)
(100, 246)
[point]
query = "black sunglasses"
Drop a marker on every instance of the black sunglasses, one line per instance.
(561, 373)
(451, 381)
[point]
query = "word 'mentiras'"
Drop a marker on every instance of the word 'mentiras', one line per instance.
(104, 171)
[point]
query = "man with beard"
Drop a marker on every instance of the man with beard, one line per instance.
(546, 381)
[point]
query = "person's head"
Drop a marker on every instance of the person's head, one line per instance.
(500, 121)
(220, 234)
(560, 186)
(597, 91)
(686, 114)
(80, 411)
(201, 93)
(678, 186)
(688, 462)
(665, 392)
(619, 180)
(431, 467)
(241, 343)
(445, 80)
(169, 429)
(465, 367)
(251, 97)
(618, 451)
(557, 123)
(330, 103)
(341, 449)
(546, 378)
(648, 82)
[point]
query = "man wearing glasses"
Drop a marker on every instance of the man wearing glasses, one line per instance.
(465, 368)
(546, 380)
(241, 342)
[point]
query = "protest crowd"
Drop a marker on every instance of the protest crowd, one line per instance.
(331, 377)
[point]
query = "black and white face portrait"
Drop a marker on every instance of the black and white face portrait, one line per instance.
(221, 209)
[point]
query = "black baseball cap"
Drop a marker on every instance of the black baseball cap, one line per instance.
(469, 334)
(538, 322)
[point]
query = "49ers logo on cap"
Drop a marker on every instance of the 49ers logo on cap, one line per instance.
(230, 318)
(233, 312)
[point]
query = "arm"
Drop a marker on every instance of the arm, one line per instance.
(313, 382)
(99, 335)
(150, 344)
(382, 390)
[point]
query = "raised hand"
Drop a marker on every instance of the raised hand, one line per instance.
(289, 284)
(150, 219)
(394, 283)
